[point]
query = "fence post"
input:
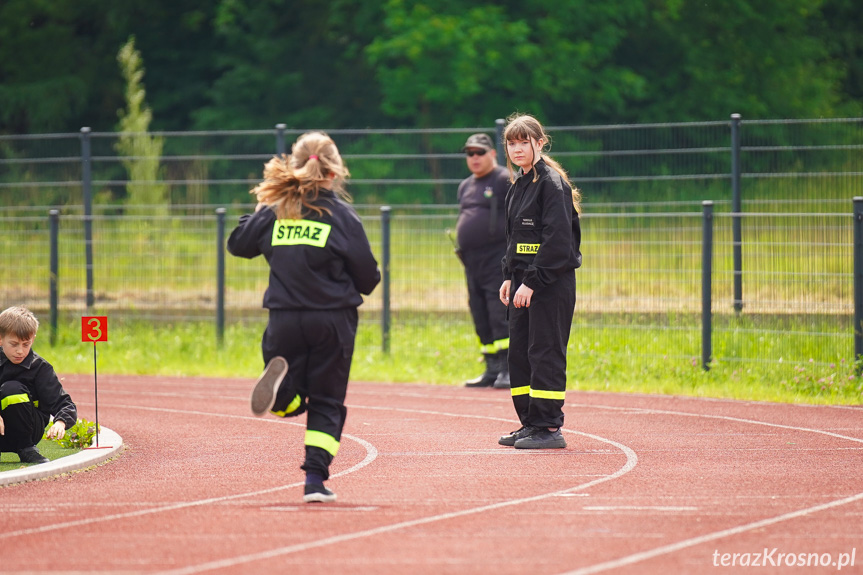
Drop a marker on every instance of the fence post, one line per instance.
(220, 276)
(54, 219)
(736, 208)
(87, 185)
(858, 283)
(385, 278)
(499, 125)
(707, 286)
(280, 138)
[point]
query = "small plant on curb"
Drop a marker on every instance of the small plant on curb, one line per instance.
(79, 436)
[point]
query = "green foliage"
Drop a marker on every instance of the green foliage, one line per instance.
(79, 436)
(241, 64)
(447, 63)
(141, 151)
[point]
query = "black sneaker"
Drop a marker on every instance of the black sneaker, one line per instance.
(510, 439)
(317, 493)
(264, 392)
(31, 455)
(541, 439)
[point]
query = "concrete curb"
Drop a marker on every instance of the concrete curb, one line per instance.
(110, 444)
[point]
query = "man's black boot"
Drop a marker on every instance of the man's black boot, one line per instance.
(492, 369)
(502, 380)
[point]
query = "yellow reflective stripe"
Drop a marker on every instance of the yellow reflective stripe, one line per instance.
(520, 390)
(487, 348)
(13, 399)
(545, 394)
(526, 248)
(300, 232)
(292, 407)
(323, 440)
(501, 344)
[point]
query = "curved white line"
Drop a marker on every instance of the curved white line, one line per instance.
(671, 548)
(371, 455)
(639, 410)
(665, 549)
(631, 461)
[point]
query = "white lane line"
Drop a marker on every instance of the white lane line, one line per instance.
(643, 411)
(371, 455)
(637, 508)
(631, 461)
(671, 548)
(665, 549)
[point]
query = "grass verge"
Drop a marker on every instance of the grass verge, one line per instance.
(616, 360)
(48, 448)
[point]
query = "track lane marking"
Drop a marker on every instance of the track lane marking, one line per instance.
(631, 462)
(371, 455)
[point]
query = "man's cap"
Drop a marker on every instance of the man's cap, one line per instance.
(478, 141)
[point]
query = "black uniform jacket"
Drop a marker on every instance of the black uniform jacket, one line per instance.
(542, 228)
(316, 263)
(43, 387)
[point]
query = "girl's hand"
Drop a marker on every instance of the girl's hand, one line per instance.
(504, 292)
(522, 296)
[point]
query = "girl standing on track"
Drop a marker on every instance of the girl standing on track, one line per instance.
(320, 262)
(543, 250)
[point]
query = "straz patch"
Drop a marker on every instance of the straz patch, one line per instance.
(300, 232)
(526, 248)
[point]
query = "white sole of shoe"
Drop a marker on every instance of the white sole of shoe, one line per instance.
(264, 393)
(319, 498)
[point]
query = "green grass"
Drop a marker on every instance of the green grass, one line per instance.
(625, 358)
(50, 449)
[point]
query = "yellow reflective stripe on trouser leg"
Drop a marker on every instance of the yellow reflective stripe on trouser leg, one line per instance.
(292, 407)
(545, 394)
(501, 344)
(13, 399)
(487, 348)
(323, 440)
(520, 390)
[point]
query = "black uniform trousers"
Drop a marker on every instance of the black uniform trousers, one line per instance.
(318, 346)
(482, 271)
(538, 336)
(24, 424)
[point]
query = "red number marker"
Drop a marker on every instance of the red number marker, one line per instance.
(94, 328)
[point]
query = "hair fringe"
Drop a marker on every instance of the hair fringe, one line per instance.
(526, 127)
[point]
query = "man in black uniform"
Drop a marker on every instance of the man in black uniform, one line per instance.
(481, 237)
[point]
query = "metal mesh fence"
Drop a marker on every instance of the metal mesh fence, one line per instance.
(639, 291)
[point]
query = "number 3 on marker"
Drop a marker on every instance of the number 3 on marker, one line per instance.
(94, 328)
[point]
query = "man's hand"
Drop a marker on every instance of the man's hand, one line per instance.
(57, 431)
(504, 292)
(2, 428)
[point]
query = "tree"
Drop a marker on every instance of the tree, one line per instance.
(53, 55)
(296, 62)
(764, 59)
(141, 152)
(456, 63)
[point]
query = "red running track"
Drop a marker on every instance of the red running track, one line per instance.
(648, 484)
